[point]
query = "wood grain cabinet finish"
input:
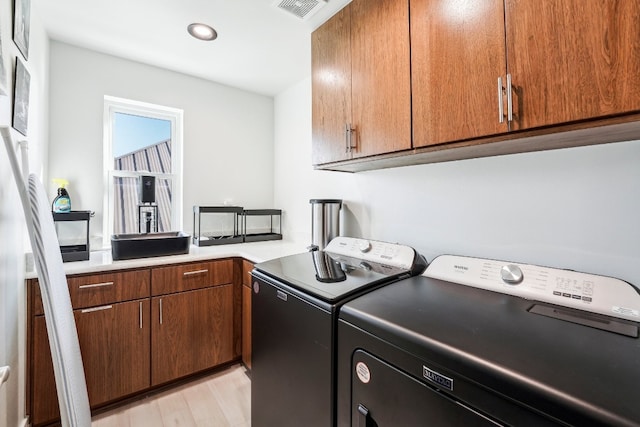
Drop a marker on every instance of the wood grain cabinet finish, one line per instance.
(246, 313)
(186, 277)
(361, 82)
(100, 289)
(132, 341)
(487, 78)
(114, 341)
(457, 55)
(192, 331)
(572, 60)
(331, 88)
(567, 61)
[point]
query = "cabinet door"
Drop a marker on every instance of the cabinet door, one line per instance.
(114, 342)
(457, 55)
(573, 59)
(246, 312)
(192, 331)
(380, 79)
(246, 326)
(331, 88)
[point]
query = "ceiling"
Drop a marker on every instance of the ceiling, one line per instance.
(259, 48)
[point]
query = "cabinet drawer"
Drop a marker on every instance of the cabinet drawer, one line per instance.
(100, 289)
(247, 266)
(186, 277)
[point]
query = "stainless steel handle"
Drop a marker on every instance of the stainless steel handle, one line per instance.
(161, 311)
(191, 273)
(140, 314)
(509, 100)
(91, 310)
(347, 137)
(500, 106)
(351, 132)
(96, 285)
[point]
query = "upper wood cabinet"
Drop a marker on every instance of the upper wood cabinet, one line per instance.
(331, 88)
(559, 61)
(457, 55)
(572, 60)
(361, 82)
(549, 73)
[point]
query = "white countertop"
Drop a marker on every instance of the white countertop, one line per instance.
(255, 252)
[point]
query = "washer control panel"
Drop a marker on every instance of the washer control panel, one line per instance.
(392, 254)
(582, 291)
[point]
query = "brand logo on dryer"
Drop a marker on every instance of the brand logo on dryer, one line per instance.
(437, 378)
(461, 268)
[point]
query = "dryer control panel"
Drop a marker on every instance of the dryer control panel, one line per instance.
(392, 254)
(582, 291)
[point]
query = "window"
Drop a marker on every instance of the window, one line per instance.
(141, 139)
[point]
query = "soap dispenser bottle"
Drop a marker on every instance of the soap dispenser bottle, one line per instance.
(62, 202)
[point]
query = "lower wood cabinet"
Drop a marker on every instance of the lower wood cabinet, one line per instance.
(192, 331)
(138, 329)
(114, 341)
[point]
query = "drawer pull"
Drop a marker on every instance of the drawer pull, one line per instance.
(96, 285)
(140, 314)
(90, 310)
(161, 311)
(193, 273)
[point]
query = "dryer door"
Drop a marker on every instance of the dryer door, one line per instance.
(383, 396)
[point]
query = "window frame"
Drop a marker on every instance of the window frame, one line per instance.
(113, 105)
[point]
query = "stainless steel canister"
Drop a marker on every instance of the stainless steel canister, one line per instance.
(325, 221)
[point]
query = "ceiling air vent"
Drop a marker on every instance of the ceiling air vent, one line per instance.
(303, 9)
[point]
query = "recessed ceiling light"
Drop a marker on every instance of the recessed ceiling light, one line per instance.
(202, 31)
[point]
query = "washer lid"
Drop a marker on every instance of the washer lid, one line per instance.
(344, 267)
(319, 274)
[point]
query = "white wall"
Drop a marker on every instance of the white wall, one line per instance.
(228, 133)
(12, 224)
(572, 208)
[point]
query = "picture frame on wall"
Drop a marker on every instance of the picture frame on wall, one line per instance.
(21, 98)
(21, 24)
(3, 70)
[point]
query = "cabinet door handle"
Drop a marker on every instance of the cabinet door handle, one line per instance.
(352, 130)
(348, 136)
(500, 106)
(91, 310)
(347, 129)
(140, 314)
(509, 100)
(192, 273)
(161, 311)
(96, 285)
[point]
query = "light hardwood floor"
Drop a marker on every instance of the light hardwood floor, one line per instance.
(220, 400)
